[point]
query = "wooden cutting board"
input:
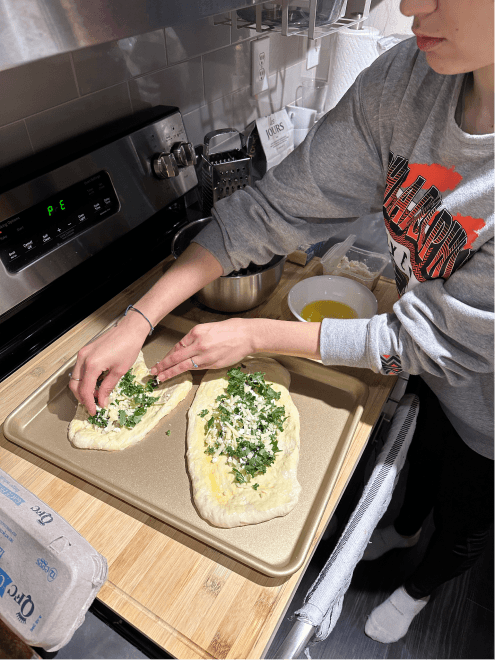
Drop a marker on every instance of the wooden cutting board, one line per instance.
(190, 599)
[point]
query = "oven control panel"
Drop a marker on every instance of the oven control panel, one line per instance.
(48, 224)
(66, 206)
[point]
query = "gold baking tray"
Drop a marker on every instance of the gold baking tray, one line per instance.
(152, 475)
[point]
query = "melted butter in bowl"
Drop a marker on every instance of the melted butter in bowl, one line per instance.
(318, 310)
(333, 297)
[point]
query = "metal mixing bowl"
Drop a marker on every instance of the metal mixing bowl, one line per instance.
(238, 291)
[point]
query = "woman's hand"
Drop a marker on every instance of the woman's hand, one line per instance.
(116, 351)
(209, 346)
(222, 344)
(113, 352)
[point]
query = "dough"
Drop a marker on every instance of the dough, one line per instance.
(218, 498)
(85, 435)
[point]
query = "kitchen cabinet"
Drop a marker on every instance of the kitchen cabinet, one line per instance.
(190, 599)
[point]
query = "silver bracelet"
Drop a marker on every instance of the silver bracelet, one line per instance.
(134, 309)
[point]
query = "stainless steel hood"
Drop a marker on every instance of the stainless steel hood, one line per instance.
(34, 29)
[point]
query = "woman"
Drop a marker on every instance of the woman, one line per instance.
(414, 136)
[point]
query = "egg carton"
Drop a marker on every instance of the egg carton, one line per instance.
(49, 573)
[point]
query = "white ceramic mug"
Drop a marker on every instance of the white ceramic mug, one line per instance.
(301, 118)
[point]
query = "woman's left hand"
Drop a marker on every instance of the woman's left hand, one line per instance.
(209, 346)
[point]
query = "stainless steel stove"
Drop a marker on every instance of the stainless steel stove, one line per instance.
(81, 221)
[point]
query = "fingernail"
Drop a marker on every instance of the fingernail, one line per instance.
(153, 371)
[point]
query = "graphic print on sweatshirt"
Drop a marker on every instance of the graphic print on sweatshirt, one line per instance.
(425, 240)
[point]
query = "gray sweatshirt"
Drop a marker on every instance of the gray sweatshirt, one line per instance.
(392, 144)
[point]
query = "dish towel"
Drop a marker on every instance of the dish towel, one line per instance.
(323, 602)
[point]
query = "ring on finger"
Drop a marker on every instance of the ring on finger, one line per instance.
(196, 366)
(72, 378)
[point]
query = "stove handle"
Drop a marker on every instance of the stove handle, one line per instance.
(296, 641)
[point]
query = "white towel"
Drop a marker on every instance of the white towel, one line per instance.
(323, 602)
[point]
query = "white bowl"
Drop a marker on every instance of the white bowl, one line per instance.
(331, 287)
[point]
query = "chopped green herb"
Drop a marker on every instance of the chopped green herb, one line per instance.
(168, 432)
(136, 398)
(238, 476)
(255, 486)
(100, 418)
(244, 425)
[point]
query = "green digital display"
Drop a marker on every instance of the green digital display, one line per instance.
(59, 206)
(64, 214)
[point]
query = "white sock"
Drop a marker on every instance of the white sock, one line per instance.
(383, 540)
(390, 621)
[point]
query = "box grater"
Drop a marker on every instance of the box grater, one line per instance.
(224, 172)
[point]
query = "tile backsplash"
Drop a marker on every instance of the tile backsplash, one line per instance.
(204, 68)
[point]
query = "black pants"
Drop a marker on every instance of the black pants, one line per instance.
(457, 483)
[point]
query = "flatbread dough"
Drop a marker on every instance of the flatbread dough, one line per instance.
(218, 498)
(84, 435)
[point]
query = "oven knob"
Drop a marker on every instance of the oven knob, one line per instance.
(165, 166)
(184, 154)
